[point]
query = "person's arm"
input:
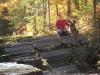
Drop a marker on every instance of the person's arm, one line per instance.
(66, 24)
(56, 23)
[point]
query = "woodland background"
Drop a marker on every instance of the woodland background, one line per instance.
(21, 18)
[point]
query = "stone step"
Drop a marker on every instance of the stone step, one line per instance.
(53, 50)
(63, 70)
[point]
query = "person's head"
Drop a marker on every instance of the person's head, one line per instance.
(60, 15)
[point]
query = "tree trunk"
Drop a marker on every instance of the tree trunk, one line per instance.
(49, 14)
(94, 19)
(94, 12)
(76, 2)
(85, 2)
(57, 9)
(35, 24)
(44, 15)
(68, 8)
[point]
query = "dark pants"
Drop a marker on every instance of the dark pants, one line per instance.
(63, 32)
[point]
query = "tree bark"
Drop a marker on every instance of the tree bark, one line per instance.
(94, 20)
(68, 8)
(44, 15)
(57, 9)
(35, 24)
(76, 4)
(49, 14)
(85, 2)
(94, 12)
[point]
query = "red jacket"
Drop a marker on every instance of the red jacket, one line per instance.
(61, 23)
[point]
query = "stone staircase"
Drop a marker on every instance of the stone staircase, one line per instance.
(56, 50)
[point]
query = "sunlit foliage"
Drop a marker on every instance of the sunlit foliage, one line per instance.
(32, 16)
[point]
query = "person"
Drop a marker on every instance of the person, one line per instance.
(62, 26)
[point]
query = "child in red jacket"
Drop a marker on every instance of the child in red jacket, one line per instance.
(61, 25)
